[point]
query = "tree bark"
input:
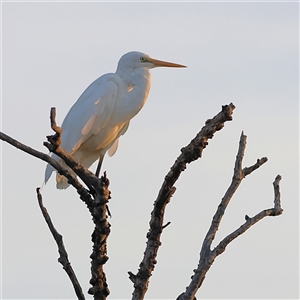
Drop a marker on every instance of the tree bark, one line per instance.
(188, 154)
(95, 197)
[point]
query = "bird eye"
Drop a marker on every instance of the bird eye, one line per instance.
(142, 58)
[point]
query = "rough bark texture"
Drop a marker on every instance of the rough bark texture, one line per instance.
(188, 154)
(99, 238)
(97, 206)
(95, 197)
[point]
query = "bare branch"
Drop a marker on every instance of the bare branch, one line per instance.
(99, 237)
(166, 225)
(98, 196)
(207, 256)
(55, 140)
(259, 162)
(276, 211)
(277, 204)
(41, 156)
(97, 207)
(238, 176)
(84, 194)
(188, 154)
(63, 255)
(96, 199)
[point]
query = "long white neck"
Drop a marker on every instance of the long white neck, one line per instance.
(138, 84)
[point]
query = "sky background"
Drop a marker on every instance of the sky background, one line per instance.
(245, 53)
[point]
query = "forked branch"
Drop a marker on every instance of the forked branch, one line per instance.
(96, 199)
(207, 256)
(97, 205)
(97, 196)
(188, 154)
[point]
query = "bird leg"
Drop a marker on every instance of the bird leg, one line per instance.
(99, 165)
(97, 174)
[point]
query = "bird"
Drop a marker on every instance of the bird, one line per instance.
(102, 113)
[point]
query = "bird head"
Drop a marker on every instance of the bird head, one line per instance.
(133, 60)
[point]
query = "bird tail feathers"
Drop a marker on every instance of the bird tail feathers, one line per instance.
(112, 150)
(61, 182)
(48, 172)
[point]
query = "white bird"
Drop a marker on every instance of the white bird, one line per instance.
(102, 113)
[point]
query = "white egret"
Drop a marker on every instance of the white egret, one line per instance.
(102, 113)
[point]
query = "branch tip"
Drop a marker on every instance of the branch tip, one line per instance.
(277, 204)
(63, 255)
(247, 217)
(166, 225)
(132, 276)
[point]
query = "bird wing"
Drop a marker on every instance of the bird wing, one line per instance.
(113, 148)
(89, 114)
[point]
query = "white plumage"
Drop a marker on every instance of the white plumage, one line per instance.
(103, 112)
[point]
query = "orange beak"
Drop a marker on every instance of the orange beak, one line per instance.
(161, 63)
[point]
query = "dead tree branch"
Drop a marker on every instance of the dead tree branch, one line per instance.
(188, 154)
(96, 199)
(207, 256)
(97, 207)
(63, 255)
(97, 195)
(45, 157)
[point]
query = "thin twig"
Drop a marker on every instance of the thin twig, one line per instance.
(63, 255)
(166, 225)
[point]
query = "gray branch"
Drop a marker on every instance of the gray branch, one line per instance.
(207, 256)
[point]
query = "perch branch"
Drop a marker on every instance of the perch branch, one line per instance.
(207, 256)
(41, 156)
(99, 287)
(84, 195)
(188, 154)
(97, 207)
(96, 199)
(63, 255)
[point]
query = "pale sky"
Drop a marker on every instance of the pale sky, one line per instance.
(245, 53)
